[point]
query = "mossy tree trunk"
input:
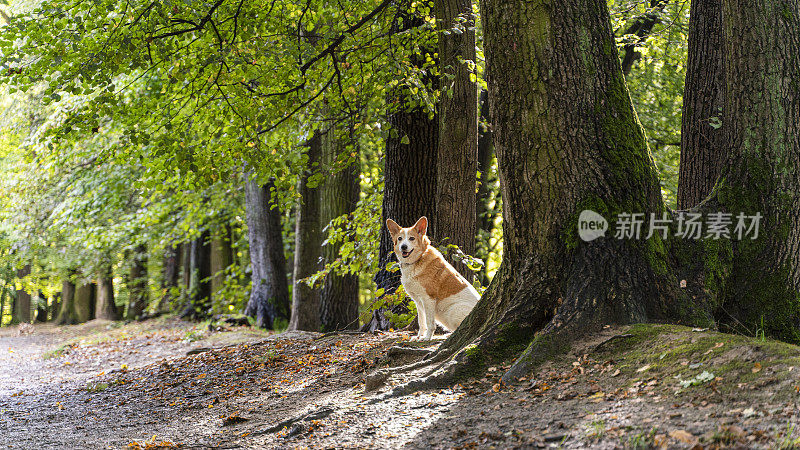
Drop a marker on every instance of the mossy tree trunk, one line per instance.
(339, 196)
(702, 148)
(457, 162)
(105, 307)
(137, 283)
(761, 129)
(269, 297)
(566, 139)
(307, 244)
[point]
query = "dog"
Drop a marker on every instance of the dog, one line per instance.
(440, 293)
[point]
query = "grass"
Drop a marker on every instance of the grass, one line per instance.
(789, 440)
(642, 440)
(59, 351)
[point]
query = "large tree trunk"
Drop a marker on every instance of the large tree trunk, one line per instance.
(340, 192)
(221, 258)
(22, 305)
(173, 256)
(85, 301)
(486, 205)
(566, 139)
(269, 297)
(67, 314)
(307, 247)
(105, 308)
(137, 283)
(761, 128)
(457, 162)
(702, 146)
(199, 291)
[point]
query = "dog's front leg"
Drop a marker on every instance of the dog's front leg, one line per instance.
(430, 319)
(420, 320)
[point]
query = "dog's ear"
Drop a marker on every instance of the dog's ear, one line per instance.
(422, 225)
(393, 227)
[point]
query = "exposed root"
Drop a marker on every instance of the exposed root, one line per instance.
(313, 415)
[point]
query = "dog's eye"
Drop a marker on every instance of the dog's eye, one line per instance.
(411, 239)
(400, 239)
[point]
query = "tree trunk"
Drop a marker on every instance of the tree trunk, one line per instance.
(269, 297)
(186, 272)
(702, 147)
(22, 305)
(41, 307)
(67, 314)
(137, 283)
(308, 243)
(340, 192)
(641, 28)
(173, 256)
(105, 307)
(566, 139)
(199, 292)
(457, 162)
(85, 301)
(486, 204)
(221, 258)
(407, 194)
(761, 128)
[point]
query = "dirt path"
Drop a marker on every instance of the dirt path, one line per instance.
(111, 386)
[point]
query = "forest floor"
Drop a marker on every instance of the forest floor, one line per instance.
(114, 385)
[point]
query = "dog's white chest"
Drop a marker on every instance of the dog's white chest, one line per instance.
(412, 286)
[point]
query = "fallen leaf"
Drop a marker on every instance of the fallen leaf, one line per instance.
(756, 368)
(616, 372)
(643, 368)
(683, 436)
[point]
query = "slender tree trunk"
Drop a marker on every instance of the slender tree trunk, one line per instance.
(3, 296)
(485, 202)
(173, 256)
(340, 192)
(221, 258)
(186, 271)
(308, 243)
(85, 301)
(22, 305)
(457, 162)
(105, 307)
(137, 283)
(67, 314)
(199, 296)
(641, 28)
(41, 307)
(702, 147)
(269, 297)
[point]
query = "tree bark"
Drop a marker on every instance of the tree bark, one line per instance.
(269, 297)
(307, 247)
(137, 283)
(457, 162)
(22, 305)
(105, 307)
(761, 128)
(199, 292)
(702, 146)
(173, 256)
(85, 301)
(339, 196)
(67, 314)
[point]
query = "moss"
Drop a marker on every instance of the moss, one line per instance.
(506, 344)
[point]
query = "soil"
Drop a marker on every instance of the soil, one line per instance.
(114, 385)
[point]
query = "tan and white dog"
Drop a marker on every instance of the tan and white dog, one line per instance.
(440, 293)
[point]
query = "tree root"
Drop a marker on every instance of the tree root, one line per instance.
(313, 415)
